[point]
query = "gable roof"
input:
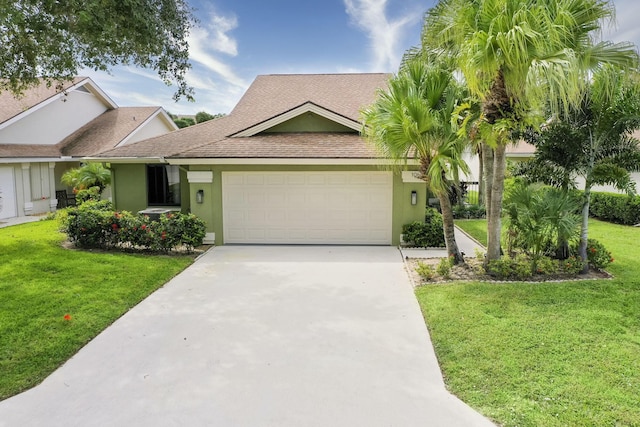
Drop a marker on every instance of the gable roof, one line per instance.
(13, 107)
(106, 131)
(116, 126)
(270, 100)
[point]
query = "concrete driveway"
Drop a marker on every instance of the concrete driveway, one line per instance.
(259, 336)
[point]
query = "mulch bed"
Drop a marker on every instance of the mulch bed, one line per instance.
(472, 270)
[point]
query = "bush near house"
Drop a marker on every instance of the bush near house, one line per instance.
(425, 234)
(96, 225)
(616, 208)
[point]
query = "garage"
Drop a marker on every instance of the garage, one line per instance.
(7, 193)
(307, 207)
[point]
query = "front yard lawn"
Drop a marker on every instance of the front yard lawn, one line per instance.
(41, 282)
(544, 354)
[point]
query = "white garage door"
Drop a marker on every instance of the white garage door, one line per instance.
(7, 193)
(307, 207)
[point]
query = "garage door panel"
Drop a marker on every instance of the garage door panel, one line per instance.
(307, 207)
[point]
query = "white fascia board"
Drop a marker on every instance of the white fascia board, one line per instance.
(86, 81)
(137, 129)
(282, 161)
(33, 160)
(167, 118)
(307, 107)
(123, 159)
(95, 89)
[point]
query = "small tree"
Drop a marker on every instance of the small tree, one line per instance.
(593, 142)
(412, 120)
(88, 176)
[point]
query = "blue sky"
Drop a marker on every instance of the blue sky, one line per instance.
(237, 40)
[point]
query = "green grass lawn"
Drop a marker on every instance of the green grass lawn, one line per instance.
(40, 282)
(545, 354)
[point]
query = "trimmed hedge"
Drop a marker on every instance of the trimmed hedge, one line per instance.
(425, 234)
(96, 225)
(616, 208)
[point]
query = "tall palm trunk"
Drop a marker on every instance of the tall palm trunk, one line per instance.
(497, 106)
(449, 228)
(584, 230)
(495, 210)
(480, 175)
(487, 162)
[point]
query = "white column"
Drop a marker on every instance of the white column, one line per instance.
(26, 188)
(53, 202)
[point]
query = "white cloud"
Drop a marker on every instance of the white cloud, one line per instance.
(212, 38)
(384, 34)
(218, 29)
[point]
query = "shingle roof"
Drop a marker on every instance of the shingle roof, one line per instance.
(286, 145)
(28, 151)
(11, 106)
(105, 131)
(270, 96)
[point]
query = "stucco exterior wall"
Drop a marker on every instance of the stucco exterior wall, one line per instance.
(309, 122)
(56, 120)
(129, 186)
(211, 209)
(155, 127)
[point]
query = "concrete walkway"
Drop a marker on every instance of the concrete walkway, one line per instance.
(259, 336)
(7, 222)
(466, 244)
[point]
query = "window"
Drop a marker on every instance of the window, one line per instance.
(163, 185)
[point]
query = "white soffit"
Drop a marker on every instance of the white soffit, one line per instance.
(307, 107)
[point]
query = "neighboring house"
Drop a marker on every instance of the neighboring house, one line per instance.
(48, 130)
(286, 166)
(523, 151)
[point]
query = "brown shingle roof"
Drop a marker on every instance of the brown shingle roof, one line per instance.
(28, 151)
(105, 131)
(270, 96)
(287, 145)
(11, 106)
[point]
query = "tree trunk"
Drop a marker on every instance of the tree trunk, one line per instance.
(487, 161)
(584, 229)
(494, 222)
(449, 228)
(480, 175)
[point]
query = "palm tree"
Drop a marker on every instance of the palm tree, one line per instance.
(412, 120)
(514, 55)
(87, 176)
(593, 141)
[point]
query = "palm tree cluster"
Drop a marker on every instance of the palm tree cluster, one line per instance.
(485, 71)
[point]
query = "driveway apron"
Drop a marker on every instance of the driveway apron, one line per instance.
(259, 336)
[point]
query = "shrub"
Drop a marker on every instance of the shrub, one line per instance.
(507, 268)
(616, 208)
(597, 255)
(444, 267)
(92, 226)
(469, 211)
(425, 234)
(425, 271)
(572, 265)
(546, 265)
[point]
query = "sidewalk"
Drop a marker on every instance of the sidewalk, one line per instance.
(466, 243)
(7, 222)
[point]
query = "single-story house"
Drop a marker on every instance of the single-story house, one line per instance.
(49, 129)
(286, 166)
